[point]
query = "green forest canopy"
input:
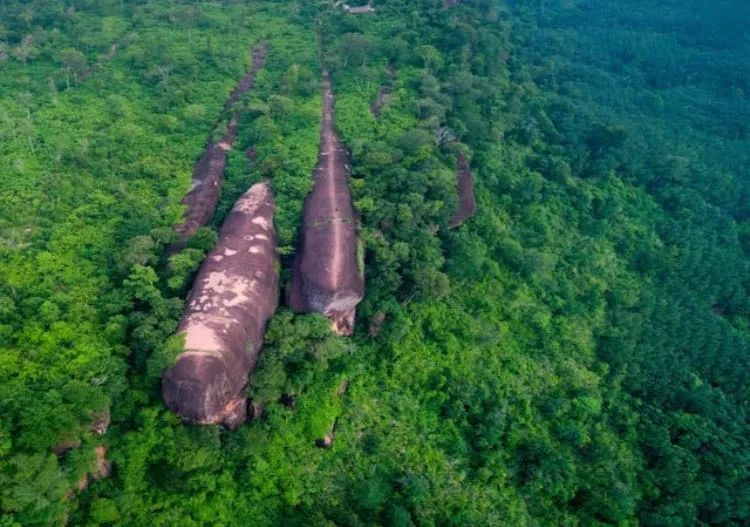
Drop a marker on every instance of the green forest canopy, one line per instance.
(575, 354)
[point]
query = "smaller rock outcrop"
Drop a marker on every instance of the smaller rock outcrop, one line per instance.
(234, 295)
(384, 94)
(208, 176)
(327, 440)
(102, 469)
(208, 173)
(376, 324)
(101, 422)
(466, 204)
(98, 426)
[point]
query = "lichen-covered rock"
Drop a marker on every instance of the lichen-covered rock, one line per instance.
(234, 295)
(328, 274)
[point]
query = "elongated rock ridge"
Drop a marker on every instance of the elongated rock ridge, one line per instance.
(328, 275)
(234, 295)
(466, 203)
(208, 173)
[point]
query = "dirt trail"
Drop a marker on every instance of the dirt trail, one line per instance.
(466, 203)
(208, 173)
(327, 278)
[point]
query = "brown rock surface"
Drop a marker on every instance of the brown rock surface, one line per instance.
(384, 94)
(466, 204)
(64, 446)
(102, 469)
(327, 276)
(101, 422)
(208, 173)
(376, 324)
(234, 295)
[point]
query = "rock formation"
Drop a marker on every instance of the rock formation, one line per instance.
(208, 176)
(100, 422)
(376, 324)
(208, 173)
(234, 295)
(328, 276)
(101, 469)
(327, 440)
(384, 94)
(466, 204)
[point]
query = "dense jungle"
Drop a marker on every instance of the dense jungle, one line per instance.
(567, 346)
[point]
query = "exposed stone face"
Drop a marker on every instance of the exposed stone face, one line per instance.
(256, 409)
(101, 469)
(234, 295)
(62, 447)
(328, 278)
(246, 83)
(376, 324)
(466, 204)
(384, 95)
(208, 173)
(99, 425)
(208, 176)
(101, 422)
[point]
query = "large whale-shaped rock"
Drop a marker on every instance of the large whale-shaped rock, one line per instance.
(233, 296)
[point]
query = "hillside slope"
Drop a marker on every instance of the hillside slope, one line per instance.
(576, 353)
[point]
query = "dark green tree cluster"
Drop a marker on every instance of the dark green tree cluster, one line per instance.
(575, 354)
